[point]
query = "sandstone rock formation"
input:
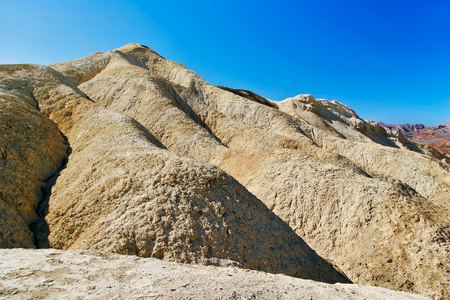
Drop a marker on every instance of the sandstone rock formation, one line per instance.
(164, 164)
(123, 192)
(56, 274)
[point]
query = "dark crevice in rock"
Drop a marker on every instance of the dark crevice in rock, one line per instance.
(35, 100)
(250, 96)
(39, 225)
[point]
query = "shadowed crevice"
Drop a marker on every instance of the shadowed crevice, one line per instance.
(39, 225)
(250, 96)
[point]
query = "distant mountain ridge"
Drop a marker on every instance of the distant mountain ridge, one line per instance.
(436, 136)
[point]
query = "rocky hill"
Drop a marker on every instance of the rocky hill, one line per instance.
(127, 152)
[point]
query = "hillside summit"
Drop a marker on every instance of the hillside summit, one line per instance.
(130, 153)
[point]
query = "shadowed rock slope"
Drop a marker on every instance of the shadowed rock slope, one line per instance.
(163, 162)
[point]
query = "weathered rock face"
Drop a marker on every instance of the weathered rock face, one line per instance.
(148, 137)
(32, 149)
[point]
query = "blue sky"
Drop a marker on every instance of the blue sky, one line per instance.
(388, 60)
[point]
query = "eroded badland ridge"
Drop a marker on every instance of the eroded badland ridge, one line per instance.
(127, 152)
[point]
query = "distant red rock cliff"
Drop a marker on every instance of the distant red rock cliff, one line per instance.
(436, 136)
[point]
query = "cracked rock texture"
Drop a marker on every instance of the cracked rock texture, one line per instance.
(164, 164)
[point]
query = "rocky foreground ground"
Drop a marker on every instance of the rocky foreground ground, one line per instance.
(56, 274)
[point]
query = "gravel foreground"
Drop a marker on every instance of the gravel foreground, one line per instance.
(57, 274)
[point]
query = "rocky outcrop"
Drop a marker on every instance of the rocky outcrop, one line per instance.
(164, 164)
(55, 274)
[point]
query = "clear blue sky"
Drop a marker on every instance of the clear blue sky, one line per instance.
(388, 60)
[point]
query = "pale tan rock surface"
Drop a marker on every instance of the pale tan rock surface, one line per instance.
(347, 187)
(32, 150)
(132, 197)
(87, 274)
